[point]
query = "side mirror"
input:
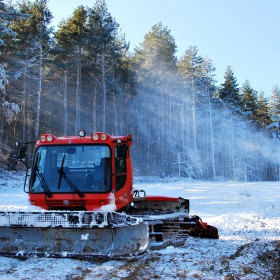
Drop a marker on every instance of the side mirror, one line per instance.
(122, 151)
(21, 150)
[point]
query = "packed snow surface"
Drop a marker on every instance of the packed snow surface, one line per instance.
(247, 215)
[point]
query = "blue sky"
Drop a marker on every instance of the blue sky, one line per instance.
(244, 34)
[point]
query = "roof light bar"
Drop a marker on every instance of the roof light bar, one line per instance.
(99, 136)
(46, 138)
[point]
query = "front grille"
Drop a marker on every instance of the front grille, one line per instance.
(66, 204)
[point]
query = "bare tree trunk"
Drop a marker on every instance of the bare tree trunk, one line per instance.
(212, 136)
(161, 124)
(1, 123)
(115, 114)
(39, 92)
(29, 121)
(23, 107)
(78, 95)
(104, 92)
(121, 112)
(182, 121)
(194, 123)
(65, 101)
(232, 145)
(94, 110)
(170, 112)
(2, 101)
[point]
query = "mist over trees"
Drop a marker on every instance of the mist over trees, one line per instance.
(82, 76)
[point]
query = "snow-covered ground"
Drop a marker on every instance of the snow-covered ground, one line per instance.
(246, 214)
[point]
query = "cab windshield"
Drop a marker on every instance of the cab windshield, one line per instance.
(71, 168)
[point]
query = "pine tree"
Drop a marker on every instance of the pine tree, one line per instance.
(154, 66)
(209, 87)
(249, 102)
(274, 105)
(263, 114)
(190, 66)
(31, 45)
(105, 51)
(7, 109)
(72, 36)
(191, 73)
(229, 91)
(156, 55)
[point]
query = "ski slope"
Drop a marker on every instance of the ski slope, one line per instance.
(247, 215)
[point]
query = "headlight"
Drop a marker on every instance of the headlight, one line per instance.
(82, 133)
(94, 136)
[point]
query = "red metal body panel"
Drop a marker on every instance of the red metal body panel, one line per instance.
(83, 140)
(160, 198)
(89, 202)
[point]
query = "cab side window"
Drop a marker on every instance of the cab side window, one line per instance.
(120, 167)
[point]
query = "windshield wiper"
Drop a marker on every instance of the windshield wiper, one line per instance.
(72, 185)
(41, 178)
(62, 174)
(61, 171)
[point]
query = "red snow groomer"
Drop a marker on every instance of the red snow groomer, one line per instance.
(90, 210)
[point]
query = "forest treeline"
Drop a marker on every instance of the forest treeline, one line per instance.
(82, 76)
